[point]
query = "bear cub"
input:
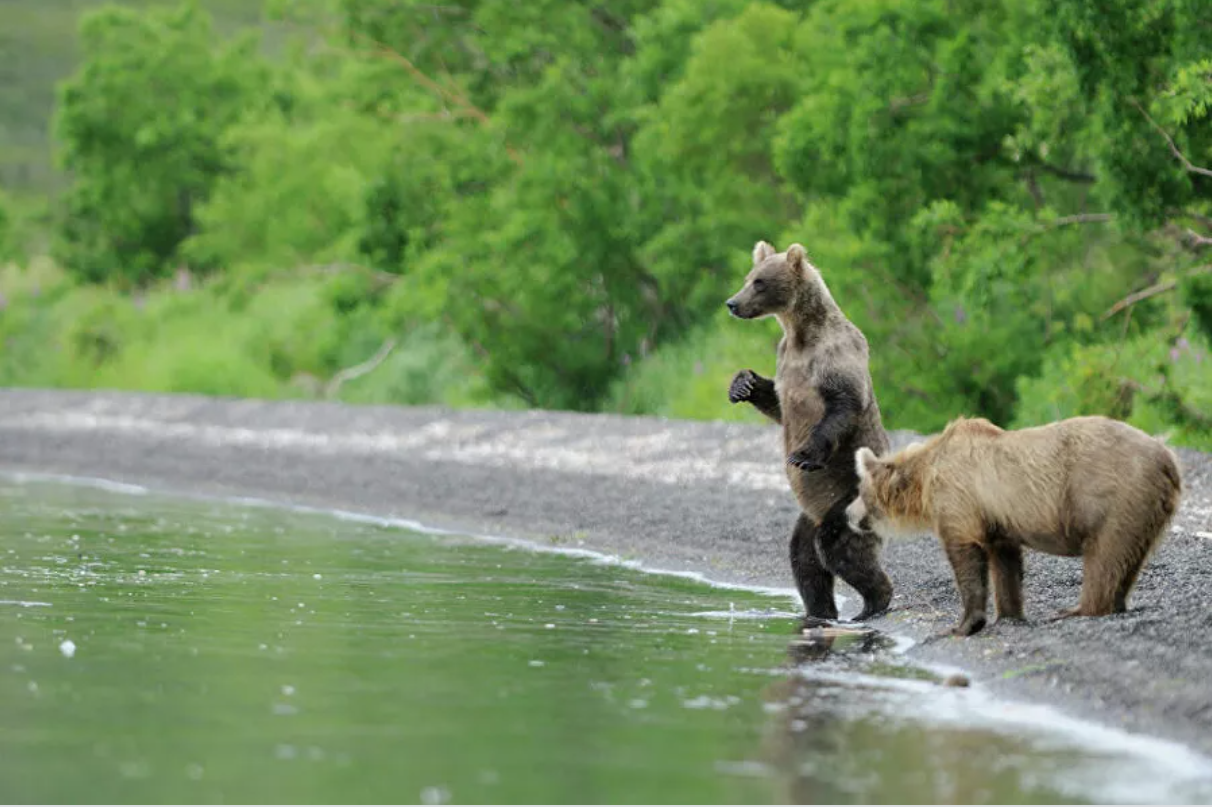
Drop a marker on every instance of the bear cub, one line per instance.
(1090, 487)
(823, 397)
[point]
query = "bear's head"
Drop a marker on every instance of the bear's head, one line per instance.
(774, 283)
(891, 494)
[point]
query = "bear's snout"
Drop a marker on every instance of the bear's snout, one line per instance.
(732, 306)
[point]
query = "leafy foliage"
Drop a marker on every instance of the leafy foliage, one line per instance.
(545, 204)
(140, 126)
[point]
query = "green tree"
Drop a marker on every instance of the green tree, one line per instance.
(535, 266)
(140, 127)
(1011, 198)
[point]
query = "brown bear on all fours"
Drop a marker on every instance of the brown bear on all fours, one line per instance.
(1090, 487)
(823, 397)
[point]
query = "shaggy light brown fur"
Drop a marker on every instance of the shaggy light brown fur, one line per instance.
(1090, 487)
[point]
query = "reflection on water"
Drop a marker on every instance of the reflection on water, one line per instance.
(853, 723)
(178, 651)
(835, 742)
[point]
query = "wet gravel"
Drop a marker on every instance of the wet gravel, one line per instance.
(708, 497)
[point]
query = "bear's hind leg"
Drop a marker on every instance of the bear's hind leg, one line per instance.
(855, 558)
(814, 582)
(1111, 564)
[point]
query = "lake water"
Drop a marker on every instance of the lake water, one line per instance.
(173, 650)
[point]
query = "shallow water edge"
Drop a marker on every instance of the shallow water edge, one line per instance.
(1177, 769)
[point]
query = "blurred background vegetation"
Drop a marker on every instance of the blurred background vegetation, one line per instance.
(544, 204)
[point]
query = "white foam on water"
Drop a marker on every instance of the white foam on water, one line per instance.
(511, 541)
(25, 604)
(1145, 768)
(88, 482)
(1129, 767)
(747, 614)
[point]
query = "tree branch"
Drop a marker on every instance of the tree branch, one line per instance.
(349, 374)
(436, 9)
(1195, 241)
(1066, 173)
(1136, 297)
(447, 94)
(1156, 289)
(1037, 193)
(1064, 221)
(444, 115)
(616, 151)
(903, 102)
(1082, 218)
(1182, 158)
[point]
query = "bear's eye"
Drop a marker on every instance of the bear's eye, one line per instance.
(759, 285)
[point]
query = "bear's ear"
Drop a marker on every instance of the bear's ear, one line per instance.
(796, 256)
(762, 251)
(865, 462)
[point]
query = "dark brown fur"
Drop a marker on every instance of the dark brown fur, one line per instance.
(822, 396)
(1090, 487)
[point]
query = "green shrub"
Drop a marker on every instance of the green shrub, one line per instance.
(690, 378)
(1159, 384)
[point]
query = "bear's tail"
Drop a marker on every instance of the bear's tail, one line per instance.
(1170, 470)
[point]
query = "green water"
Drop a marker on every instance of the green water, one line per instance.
(169, 650)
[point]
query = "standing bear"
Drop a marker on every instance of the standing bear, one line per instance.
(1089, 487)
(823, 397)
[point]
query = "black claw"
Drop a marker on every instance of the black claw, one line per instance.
(813, 457)
(741, 388)
(805, 463)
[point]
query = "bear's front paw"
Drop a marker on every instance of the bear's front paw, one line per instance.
(741, 388)
(813, 457)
